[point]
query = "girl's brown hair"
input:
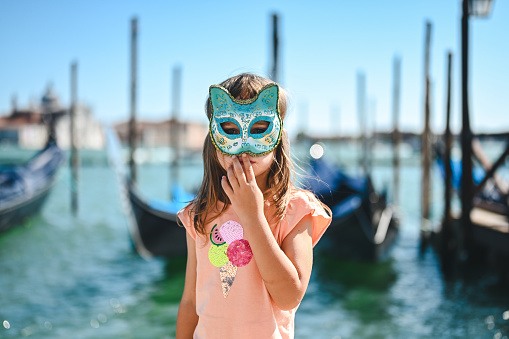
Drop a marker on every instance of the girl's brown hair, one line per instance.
(279, 182)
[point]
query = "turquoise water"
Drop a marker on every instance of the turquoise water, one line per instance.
(65, 276)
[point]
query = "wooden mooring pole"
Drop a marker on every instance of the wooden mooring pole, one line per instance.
(448, 243)
(371, 134)
(396, 137)
(304, 116)
(275, 48)
(75, 160)
(426, 145)
(361, 112)
(467, 183)
(132, 121)
(174, 127)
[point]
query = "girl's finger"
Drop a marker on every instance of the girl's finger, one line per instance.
(226, 187)
(234, 183)
(249, 169)
(239, 171)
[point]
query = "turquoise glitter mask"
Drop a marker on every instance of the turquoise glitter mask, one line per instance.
(245, 113)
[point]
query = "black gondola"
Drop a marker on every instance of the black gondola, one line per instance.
(156, 232)
(363, 224)
(24, 188)
(153, 224)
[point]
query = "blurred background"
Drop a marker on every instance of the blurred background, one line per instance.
(397, 120)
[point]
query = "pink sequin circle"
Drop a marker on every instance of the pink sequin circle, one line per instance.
(231, 231)
(239, 252)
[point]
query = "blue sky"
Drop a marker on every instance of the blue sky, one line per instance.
(324, 44)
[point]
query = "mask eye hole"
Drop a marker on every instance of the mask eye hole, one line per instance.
(259, 127)
(230, 128)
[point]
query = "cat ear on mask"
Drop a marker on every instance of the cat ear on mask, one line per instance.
(223, 102)
(269, 98)
(220, 99)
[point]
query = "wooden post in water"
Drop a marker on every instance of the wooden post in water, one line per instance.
(303, 114)
(275, 49)
(467, 184)
(396, 138)
(75, 160)
(361, 112)
(426, 145)
(174, 127)
(371, 134)
(132, 121)
(448, 244)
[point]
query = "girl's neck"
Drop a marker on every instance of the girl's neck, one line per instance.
(261, 181)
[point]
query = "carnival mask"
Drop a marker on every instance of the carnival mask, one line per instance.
(245, 114)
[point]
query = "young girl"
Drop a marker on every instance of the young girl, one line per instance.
(250, 231)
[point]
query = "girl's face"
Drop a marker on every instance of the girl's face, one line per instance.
(260, 164)
(245, 126)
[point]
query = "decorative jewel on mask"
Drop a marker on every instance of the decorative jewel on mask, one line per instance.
(235, 126)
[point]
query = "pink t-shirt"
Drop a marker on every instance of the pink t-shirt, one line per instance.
(231, 298)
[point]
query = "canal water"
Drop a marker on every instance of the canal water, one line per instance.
(66, 276)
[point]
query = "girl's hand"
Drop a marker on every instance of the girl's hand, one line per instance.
(242, 189)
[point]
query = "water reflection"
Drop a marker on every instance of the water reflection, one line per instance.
(169, 289)
(362, 287)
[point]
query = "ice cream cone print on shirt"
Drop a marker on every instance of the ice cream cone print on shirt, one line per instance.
(228, 252)
(227, 274)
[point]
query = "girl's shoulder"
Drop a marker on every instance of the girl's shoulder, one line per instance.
(302, 196)
(186, 219)
(304, 203)
(187, 216)
(187, 210)
(191, 207)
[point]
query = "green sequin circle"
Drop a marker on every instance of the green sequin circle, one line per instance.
(217, 255)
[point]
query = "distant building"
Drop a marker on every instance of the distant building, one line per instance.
(158, 134)
(31, 127)
(89, 132)
(24, 128)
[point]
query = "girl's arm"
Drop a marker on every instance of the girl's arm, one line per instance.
(286, 269)
(187, 319)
